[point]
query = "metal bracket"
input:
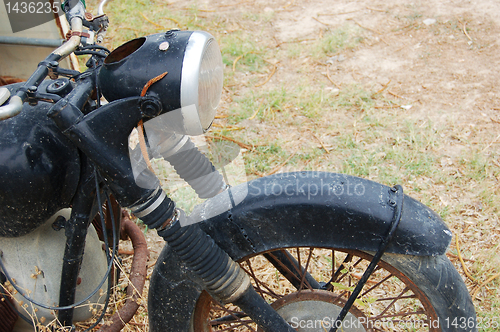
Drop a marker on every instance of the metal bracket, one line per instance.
(397, 203)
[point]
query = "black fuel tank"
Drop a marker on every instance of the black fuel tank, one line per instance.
(39, 169)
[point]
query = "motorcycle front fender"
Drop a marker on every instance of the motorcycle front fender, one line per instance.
(352, 212)
(292, 210)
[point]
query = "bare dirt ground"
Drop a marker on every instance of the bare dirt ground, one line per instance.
(433, 63)
(442, 69)
(435, 60)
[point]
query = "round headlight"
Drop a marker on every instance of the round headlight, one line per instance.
(201, 80)
(190, 63)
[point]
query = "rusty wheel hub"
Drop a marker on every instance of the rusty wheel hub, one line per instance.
(316, 311)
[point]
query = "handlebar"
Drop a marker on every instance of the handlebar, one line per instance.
(15, 104)
(100, 10)
(75, 12)
(68, 47)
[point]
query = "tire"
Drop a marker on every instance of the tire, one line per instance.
(274, 221)
(405, 293)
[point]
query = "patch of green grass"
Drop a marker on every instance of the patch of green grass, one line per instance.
(259, 17)
(240, 46)
(269, 104)
(489, 322)
(474, 166)
(294, 50)
(335, 41)
(414, 15)
(392, 153)
(313, 102)
(243, 107)
(135, 18)
(276, 101)
(241, 52)
(308, 156)
(304, 99)
(478, 170)
(353, 96)
(264, 158)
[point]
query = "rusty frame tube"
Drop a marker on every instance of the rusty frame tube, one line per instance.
(137, 277)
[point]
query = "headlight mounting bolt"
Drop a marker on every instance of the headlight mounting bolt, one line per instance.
(171, 32)
(151, 107)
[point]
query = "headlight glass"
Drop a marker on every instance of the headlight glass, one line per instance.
(210, 83)
(201, 82)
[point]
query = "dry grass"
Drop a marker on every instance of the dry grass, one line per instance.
(374, 93)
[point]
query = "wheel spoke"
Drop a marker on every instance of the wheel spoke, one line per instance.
(394, 301)
(389, 297)
(257, 281)
(278, 259)
(397, 298)
(288, 266)
(333, 263)
(305, 270)
(230, 328)
(337, 273)
(220, 306)
(236, 315)
(401, 314)
(302, 272)
(298, 256)
(376, 285)
(269, 292)
(229, 319)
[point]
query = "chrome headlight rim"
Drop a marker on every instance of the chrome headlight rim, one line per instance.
(196, 49)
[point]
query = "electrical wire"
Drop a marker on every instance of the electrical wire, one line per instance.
(95, 47)
(105, 236)
(5, 298)
(90, 53)
(98, 90)
(110, 264)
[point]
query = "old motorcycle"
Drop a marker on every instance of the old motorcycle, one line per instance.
(301, 251)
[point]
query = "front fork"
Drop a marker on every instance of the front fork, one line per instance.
(102, 135)
(222, 277)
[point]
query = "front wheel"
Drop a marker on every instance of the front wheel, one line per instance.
(405, 293)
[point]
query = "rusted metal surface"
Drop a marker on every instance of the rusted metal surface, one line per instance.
(234, 319)
(320, 305)
(203, 306)
(8, 314)
(111, 205)
(6, 80)
(137, 277)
